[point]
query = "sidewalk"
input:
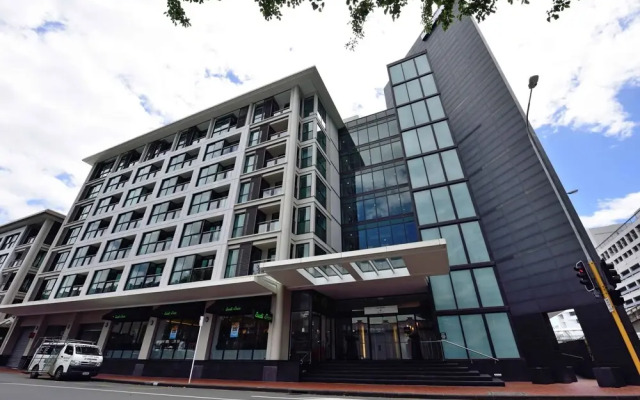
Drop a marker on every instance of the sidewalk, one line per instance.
(584, 388)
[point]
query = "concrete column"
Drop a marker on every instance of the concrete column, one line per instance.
(39, 330)
(22, 272)
(12, 336)
(72, 327)
(147, 341)
(206, 331)
(104, 335)
(275, 350)
(289, 178)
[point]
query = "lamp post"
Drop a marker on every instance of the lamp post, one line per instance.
(533, 82)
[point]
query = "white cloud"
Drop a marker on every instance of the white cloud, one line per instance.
(583, 59)
(73, 92)
(613, 211)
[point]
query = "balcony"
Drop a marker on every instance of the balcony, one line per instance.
(143, 282)
(123, 226)
(155, 246)
(274, 161)
(255, 265)
(268, 226)
(270, 192)
(104, 287)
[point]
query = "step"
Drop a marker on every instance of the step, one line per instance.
(392, 373)
(407, 377)
(428, 382)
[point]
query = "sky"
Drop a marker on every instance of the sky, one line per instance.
(79, 76)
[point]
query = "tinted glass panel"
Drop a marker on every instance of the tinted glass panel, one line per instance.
(420, 114)
(422, 64)
(463, 286)
(442, 203)
(405, 117)
(424, 207)
(476, 335)
(455, 249)
(427, 143)
(462, 199)
(488, 287)
(413, 88)
(409, 69)
(434, 169)
(450, 326)
(435, 107)
(502, 336)
(402, 96)
(452, 165)
(417, 173)
(443, 134)
(475, 242)
(396, 73)
(428, 85)
(442, 292)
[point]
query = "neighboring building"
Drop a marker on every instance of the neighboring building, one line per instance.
(566, 326)
(24, 243)
(301, 238)
(621, 247)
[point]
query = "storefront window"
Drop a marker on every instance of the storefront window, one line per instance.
(241, 337)
(125, 339)
(175, 339)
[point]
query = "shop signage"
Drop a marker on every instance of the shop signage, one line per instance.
(235, 328)
(119, 316)
(232, 308)
(263, 315)
(174, 332)
(380, 310)
(169, 313)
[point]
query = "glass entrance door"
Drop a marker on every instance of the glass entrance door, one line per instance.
(384, 338)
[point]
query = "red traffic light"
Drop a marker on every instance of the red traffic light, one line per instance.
(583, 275)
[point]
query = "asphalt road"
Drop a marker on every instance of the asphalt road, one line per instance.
(20, 387)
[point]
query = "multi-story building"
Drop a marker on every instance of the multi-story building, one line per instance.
(24, 243)
(435, 229)
(622, 249)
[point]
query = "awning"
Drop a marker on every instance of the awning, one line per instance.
(241, 306)
(129, 314)
(181, 311)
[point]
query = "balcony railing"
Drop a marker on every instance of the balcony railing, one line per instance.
(116, 186)
(268, 226)
(145, 177)
(103, 287)
(116, 254)
(107, 208)
(143, 282)
(165, 216)
(29, 240)
(255, 265)
(16, 264)
(173, 189)
(192, 275)
(278, 135)
(69, 291)
(136, 200)
(94, 234)
(274, 161)
(123, 226)
(82, 261)
(210, 205)
(155, 246)
(270, 192)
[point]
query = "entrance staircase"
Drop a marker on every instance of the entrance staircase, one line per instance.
(401, 372)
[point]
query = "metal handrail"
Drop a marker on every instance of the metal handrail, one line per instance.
(572, 355)
(459, 345)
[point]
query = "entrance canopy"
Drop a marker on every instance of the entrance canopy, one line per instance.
(371, 272)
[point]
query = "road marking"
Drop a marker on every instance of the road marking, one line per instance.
(278, 397)
(182, 396)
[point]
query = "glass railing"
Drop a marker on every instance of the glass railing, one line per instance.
(144, 282)
(115, 186)
(255, 265)
(155, 247)
(270, 192)
(81, 261)
(278, 135)
(116, 254)
(274, 161)
(268, 226)
(123, 226)
(103, 287)
(145, 177)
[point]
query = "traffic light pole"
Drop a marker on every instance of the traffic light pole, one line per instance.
(614, 312)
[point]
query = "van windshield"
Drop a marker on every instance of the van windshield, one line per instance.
(88, 350)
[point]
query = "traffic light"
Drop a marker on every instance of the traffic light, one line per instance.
(610, 273)
(616, 297)
(583, 275)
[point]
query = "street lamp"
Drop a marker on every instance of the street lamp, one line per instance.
(533, 82)
(572, 191)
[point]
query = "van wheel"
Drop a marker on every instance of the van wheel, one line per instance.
(58, 374)
(34, 372)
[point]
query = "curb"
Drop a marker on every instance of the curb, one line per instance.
(344, 393)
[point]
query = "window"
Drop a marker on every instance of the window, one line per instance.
(193, 268)
(83, 256)
(322, 113)
(249, 163)
(244, 192)
(306, 157)
(303, 223)
(72, 235)
(377, 205)
(103, 169)
(302, 250)
(147, 172)
(254, 137)
(128, 220)
(225, 124)
(427, 139)
(437, 205)
(96, 228)
(409, 69)
(231, 269)
(3, 257)
(182, 160)
(306, 131)
(304, 190)
(380, 233)
(376, 178)
(238, 225)
(138, 195)
(9, 241)
(416, 113)
(159, 148)
(322, 138)
(205, 201)
(307, 106)
(107, 204)
(192, 135)
(71, 286)
(415, 89)
(321, 226)
(105, 281)
(165, 211)
(117, 249)
(321, 192)
(117, 182)
(175, 339)
(125, 339)
(213, 173)
(92, 191)
(434, 169)
(155, 241)
(220, 148)
(321, 163)
(130, 158)
(200, 232)
(144, 275)
(174, 184)
(59, 259)
(46, 288)
(473, 242)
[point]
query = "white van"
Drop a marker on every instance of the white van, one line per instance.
(62, 358)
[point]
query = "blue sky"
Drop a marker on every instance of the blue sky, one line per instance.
(79, 76)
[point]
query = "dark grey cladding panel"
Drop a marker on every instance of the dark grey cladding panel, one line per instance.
(524, 224)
